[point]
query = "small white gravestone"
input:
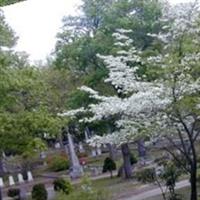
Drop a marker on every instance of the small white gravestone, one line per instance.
(20, 178)
(1, 182)
(57, 145)
(11, 180)
(43, 155)
(94, 154)
(99, 152)
(30, 176)
(81, 149)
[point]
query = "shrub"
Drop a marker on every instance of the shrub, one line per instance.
(62, 185)
(39, 192)
(133, 159)
(146, 175)
(109, 165)
(14, 193)
(58, 163)
(198, 176)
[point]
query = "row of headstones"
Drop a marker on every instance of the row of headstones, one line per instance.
(96, 152)
(20, 178)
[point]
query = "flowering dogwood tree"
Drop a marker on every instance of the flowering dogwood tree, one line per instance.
(136, 98)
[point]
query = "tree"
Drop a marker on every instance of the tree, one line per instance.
(8, 2)
(83, 37)
(109, 165)
(124, 79)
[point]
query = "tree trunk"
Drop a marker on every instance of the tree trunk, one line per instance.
(193, 181)
(112, 151)
(126, 158)
(141, 148)
(1, 166)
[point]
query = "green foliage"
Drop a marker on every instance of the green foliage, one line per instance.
(39, 192)
(146, 175)
(86, 192)
(58, 163)
(133, 159)
(109, 165)
(14, 193)
(7, 37)
(170, 175)
(62, 185)
(8, 2)
(92, 32)
(198, 176)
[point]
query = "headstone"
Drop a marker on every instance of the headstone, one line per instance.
(76, 168)
(57, 145)
(81, 149)
(86, 134)
(99, 152)
(20, 178)
(94, 154)
(1, 182)
(11, 180)
(30, 176)
(43, 155)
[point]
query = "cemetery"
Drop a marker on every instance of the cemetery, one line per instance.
(112, 113)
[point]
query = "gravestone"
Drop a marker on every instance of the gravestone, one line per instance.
(57, 145)
(20, 178)
(43, 155)
(30, 176)
(86, 135)
(76, 169)
(1, 182)
(94, 154)
(99, 152)
(11, 180)
(81, 149)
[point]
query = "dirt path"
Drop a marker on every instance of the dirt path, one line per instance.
(155, 192)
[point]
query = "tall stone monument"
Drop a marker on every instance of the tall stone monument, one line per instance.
(76, 169)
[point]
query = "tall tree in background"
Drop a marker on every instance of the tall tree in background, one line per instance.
(91, 32)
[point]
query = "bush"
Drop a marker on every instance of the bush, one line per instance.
(58, 163)
(109, 165)
(198, 176)
(14, 193)
(146, 175)
(62, 185)
(133, 159)
(39, 192)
